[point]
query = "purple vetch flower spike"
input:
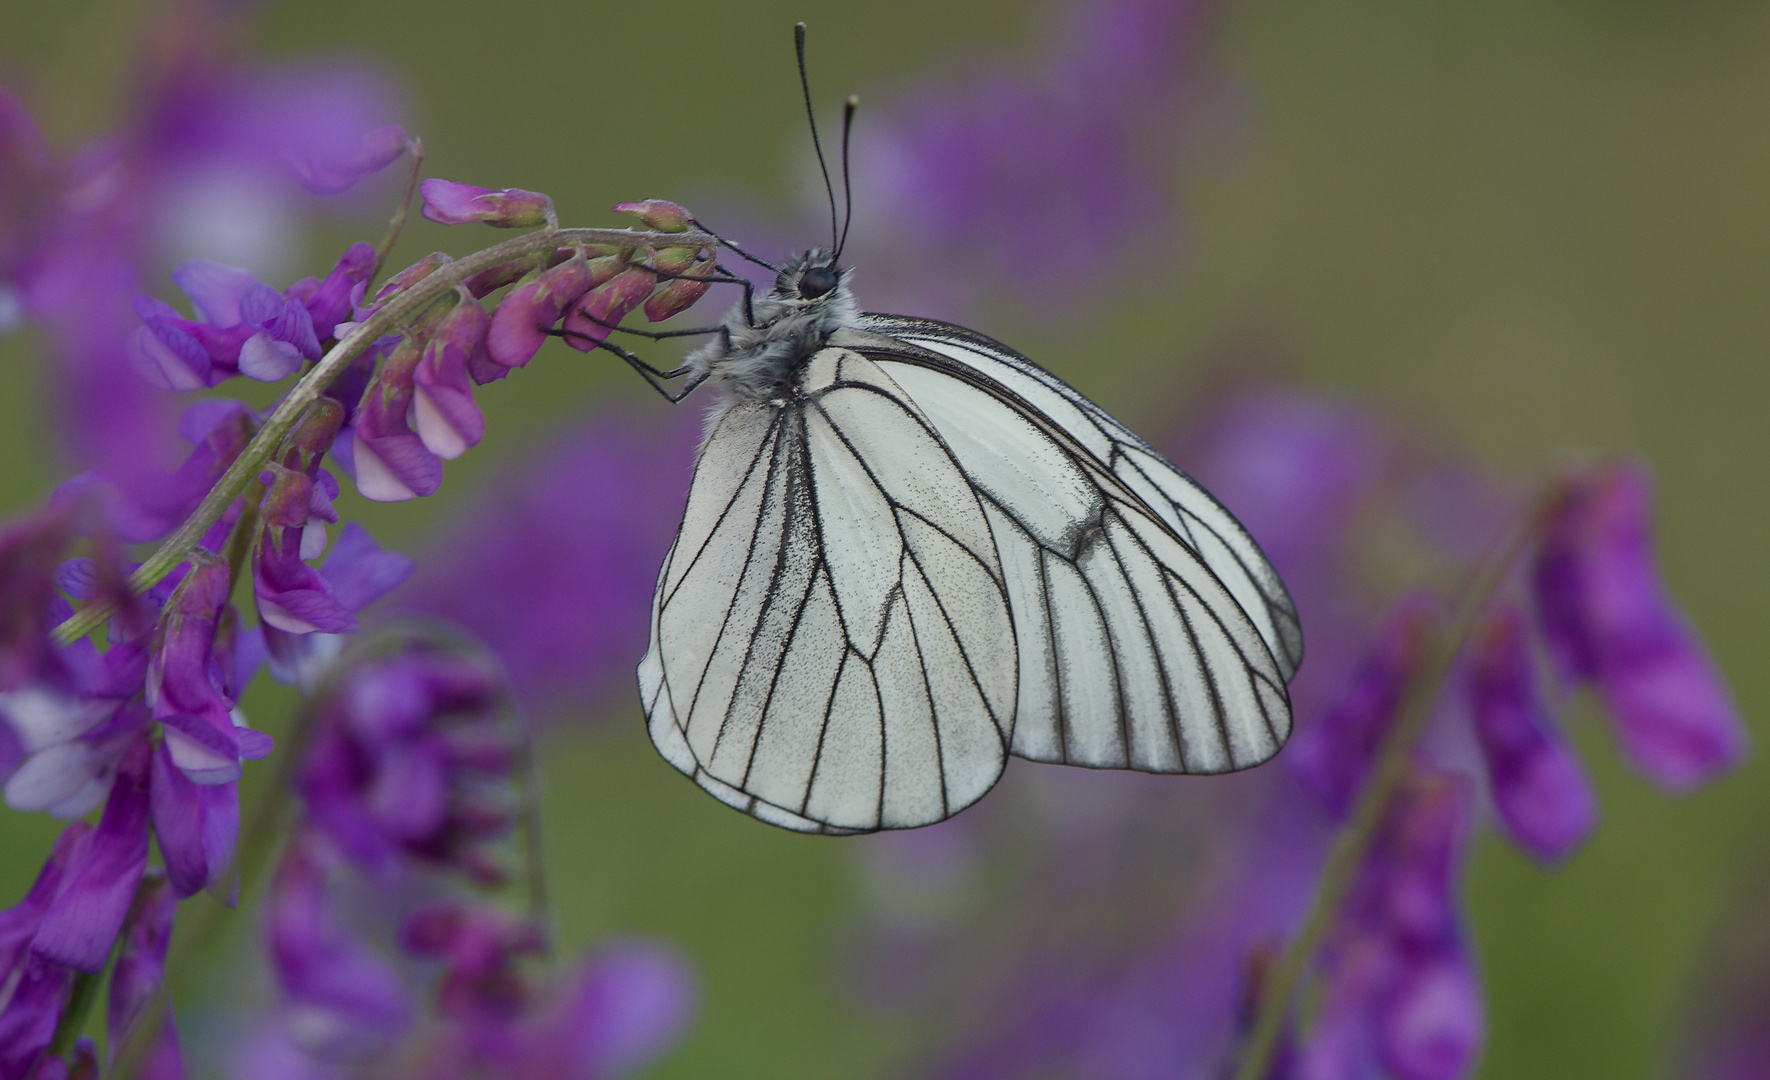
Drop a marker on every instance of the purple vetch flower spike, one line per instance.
(1540, 790)
(449, 203)
(99, 884)
(1607, 619)
(659, 214)
(448, 421)
(139, 973)
(339, 169)
(1331, 756)
(392, 463)
(520, 324)
(592, 318)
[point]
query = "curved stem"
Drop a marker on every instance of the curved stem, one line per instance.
(389, 319)
(1413, 713)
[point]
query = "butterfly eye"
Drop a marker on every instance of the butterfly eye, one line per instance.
(815, 282)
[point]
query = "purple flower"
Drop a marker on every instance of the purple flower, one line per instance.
(102, 874)
(246, 328)
(292, 596)
(443, 409)
(138, 505)
(356, 1001)
(330, 169)
(1539, 788)
(1607, 619)
(29, 1016)
(391, 461)
(982, 172)
(140, 970)
(591, 318)
(1331, 756)
(408, 758)
(1399, 988)
(332, 300)
(204, 736)
(520, 324)
(19, 924)
(450, 203)
(197, 825)
(356, 574)
(615, 1013)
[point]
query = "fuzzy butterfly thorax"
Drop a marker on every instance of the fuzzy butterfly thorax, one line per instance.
(767, 342)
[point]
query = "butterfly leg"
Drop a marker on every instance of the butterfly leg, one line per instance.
(650, 374)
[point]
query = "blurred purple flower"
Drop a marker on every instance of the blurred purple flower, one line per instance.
(1332, 756)
(102, 873)
(1539, 788)
(592, 514)
(1399, 989)
(406, 762)
(451, 203)
(139, 972)
(982, 173)
(354, 1001)
(28, 1018)
(211, 157)
(1607, 620)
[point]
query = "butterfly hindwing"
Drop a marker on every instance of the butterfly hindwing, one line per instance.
(1135, 647)
(831, 647)
(1190, 511)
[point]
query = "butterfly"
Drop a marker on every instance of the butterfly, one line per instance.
(910, 552)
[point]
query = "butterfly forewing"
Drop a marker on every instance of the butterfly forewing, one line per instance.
(1134, 650)
(831, 643)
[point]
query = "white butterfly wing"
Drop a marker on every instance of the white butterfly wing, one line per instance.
(832, 649)
(1136, 649)
(1194, 515)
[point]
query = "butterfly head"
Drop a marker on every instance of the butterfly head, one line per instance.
(810, 278)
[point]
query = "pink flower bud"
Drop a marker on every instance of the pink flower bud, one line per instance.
(411, 275)
(589, 322)
(659, 214)
(520, 324)
(680, 294)
(447, 419)
(449, 203)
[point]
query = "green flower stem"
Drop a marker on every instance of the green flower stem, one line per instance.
(1413, 713)
(390, 319)
(415, 148)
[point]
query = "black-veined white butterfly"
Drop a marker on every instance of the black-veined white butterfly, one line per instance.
(909, 552)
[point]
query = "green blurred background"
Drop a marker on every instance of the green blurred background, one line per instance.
(1537, 227)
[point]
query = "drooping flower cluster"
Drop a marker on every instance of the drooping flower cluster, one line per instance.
(1394, 990)
(410, 784)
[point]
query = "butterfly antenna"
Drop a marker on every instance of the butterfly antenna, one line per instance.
(805, 85)
(847, 189)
